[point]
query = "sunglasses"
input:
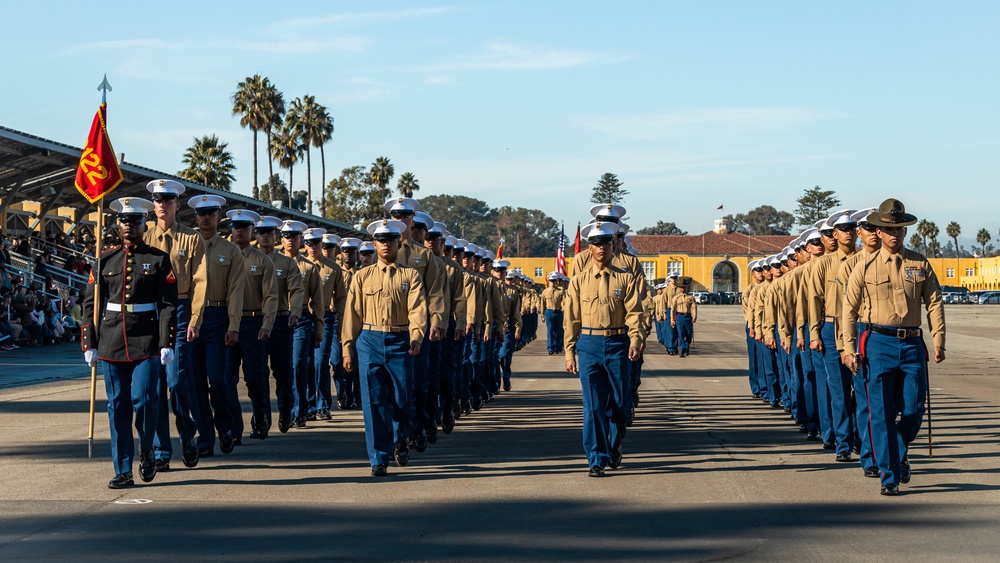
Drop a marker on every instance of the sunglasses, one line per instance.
(846, 227)
(265, 230)
(131, 219)
(289, 235)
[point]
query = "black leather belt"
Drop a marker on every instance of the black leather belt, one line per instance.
(282, 313)
(252, 313)
(900, 333)
(603, 331)
(215, 303)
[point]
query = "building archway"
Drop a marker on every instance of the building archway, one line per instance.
(725, 277)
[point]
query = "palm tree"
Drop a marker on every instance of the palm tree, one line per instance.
(407, 184)
(250, 103)
(954, 229)
(983, 238)
(274, 115)
(303, 118)
(915, 241)
(321, 136)
(210, 163)
(932, 233)
(381, 173)
(922, 228)
(286, 148)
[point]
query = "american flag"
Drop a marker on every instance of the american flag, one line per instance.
(561, 252)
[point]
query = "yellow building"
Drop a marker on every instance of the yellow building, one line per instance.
(983, 275)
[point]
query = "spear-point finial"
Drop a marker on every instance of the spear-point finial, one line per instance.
(104, 88)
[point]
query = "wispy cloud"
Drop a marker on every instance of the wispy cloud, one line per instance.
(661, 124)
(356, 19)
(508, 57)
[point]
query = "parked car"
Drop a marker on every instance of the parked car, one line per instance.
(990, 298)
(954, 294)
(729, 298)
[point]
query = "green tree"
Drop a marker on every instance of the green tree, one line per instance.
(608, 190)
(766, 220)
(381, 173)
(305, 119)
(273, 117)
(209, 163)
(407, 184)
(916, 242)
(274, 190)
(527, 232)
(953, 230)
(299, 200)
(286, 149)
(815, 204)
(353, 199)
(251, 104)
(933, 248)
(661, 228)
(466, 217)
(738, 223)
(924, 229)
(983, 238)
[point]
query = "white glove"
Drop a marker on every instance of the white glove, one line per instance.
(166, 355)
(90, 355)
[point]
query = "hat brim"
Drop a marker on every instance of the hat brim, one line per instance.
(875, 219)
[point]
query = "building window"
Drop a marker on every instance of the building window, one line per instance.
(539, 272)
(649, 270)
(518, 270)
(970, 271)
(949, 273)
(675, 268)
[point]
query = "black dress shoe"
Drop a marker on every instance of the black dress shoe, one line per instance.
(631, 416)
(311, 416)
(506, 385)
(802, 429)
(904, 470)
(616, 457)
(829, 445)
(325, 415)
(466, 407)
(121, 481)
(813, 436)
(189, 454)
(635, 397)
(401, 454)
(448, 424)
(788, 409)
(379, 470)
(871, 472)
(147, 466)
(596, 471)
(889, 490)
(162, 465)
(844, 457)
(756, 395)
(477, 403)
(205, 452)
(226, 442)
(299, 422)
(342, 405)
(420, 442)
(284, 422)
(259, 432)
(432, 435)
(237, 441)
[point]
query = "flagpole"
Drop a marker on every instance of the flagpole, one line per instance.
(96, 319)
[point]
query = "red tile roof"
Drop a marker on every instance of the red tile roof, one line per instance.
(710, 243)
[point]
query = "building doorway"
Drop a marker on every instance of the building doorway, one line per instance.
(725, 277)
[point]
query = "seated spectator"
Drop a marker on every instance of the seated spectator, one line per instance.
(24, 307)
(9, 328)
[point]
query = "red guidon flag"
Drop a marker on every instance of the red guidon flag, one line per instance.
(98, 172)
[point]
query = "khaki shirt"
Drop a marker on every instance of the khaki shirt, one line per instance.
(745, 301)
(475, 303)
(683, 304)
(887, 289)
(314, 299)
(757, 306)
(457, 295)
(432, 275)
(824, 298)
(843, 274)
(348, 273)
(187, 258)
(291, 294)
(334, 291)
(224, 267)
(668, 296)
(384, 295)
(803, 297)
(606, 298)
(260, 288)
(513, 304)
(789, 319)
(495, 301)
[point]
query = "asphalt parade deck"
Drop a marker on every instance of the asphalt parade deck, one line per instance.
(708, 474)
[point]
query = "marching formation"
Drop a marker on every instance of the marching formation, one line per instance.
(416, 328)
(834, 337)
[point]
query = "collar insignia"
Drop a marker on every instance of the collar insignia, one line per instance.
(253, 268)
(405, 286)
(222, 259)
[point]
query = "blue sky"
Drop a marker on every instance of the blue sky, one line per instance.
(692, 104)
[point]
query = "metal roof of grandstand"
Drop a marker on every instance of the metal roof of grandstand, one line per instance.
(36, 169)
